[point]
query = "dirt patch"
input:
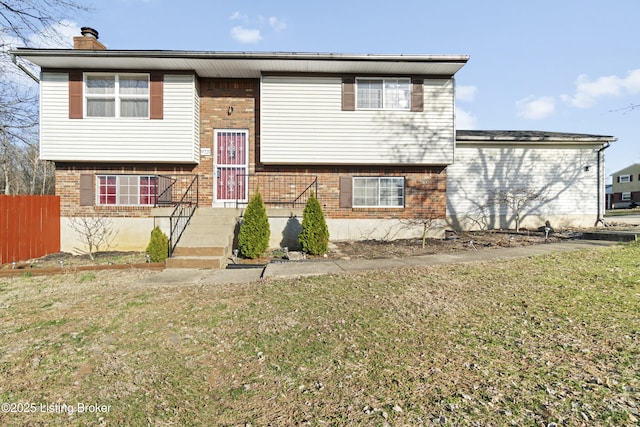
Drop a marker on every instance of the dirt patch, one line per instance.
(453, 242)
(351, 249)
(66, 262)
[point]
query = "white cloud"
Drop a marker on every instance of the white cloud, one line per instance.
(277, 24)
(246, 35)
(252, 28)
(58, 36)
(465, 120)
(466, 93)
(536, 108)
(588, 91)
(238, 16)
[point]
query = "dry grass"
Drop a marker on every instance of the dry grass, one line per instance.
(536, 341)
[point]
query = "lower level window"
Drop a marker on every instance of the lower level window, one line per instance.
(626, 196)
(378, 192)
(127, 189)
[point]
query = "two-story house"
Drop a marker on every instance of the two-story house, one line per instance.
(140, 136)
(625, 187)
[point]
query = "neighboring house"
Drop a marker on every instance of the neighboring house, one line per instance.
(625, 187)
(562, 174)
(373, 135)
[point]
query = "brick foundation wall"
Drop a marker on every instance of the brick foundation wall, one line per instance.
(425, 189)
(67, 177)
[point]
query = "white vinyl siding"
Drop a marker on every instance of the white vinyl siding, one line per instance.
(555, 170)
(173, 139)
(302, 122)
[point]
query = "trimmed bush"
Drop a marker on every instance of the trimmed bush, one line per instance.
(314, 237)
(158, 247)
(253, 237)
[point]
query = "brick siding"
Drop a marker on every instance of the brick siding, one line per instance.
(67, 177)
(425, 189)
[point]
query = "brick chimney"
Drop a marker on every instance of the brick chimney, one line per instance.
(88, 40)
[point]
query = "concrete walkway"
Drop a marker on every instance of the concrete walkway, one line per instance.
(314, 268)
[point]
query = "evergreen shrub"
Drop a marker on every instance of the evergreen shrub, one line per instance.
(158, 247)
(314, 237)
(253, 237)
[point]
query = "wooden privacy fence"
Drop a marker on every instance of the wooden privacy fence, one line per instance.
(29, 227)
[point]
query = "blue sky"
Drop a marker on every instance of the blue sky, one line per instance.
(561, 65)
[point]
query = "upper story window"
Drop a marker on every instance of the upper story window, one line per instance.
(117, 95)
(383, 94)
(624, 178)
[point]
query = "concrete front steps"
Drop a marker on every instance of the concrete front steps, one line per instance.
(207, 242)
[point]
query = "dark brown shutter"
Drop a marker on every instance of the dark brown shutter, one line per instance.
(75, 95)
(417, 95)
(87, 190)
(348, 94)
(156, 96)
(617, 179)
(346, 185)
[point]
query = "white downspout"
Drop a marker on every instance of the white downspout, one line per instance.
(601, 186)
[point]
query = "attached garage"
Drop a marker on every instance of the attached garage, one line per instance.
(499, 178)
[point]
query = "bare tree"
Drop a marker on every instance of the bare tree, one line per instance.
(95, 232)
(26, 23)
(21, 19)
(426, 220)
(479, 215)
(516, 200)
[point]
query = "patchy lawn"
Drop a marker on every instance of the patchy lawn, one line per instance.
(535, 341)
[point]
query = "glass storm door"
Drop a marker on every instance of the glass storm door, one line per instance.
(231, 165)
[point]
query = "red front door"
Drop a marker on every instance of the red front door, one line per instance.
(231, 165)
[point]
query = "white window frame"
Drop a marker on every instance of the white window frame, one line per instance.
(386, 93)
(626, 196)
(116, 95)
(623, 179)
(355, 187)
(120, 185)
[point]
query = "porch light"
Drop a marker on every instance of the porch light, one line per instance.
(229, 110)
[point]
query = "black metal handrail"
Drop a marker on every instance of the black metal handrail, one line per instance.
(181, 215)
(277, 190)
(164, 190)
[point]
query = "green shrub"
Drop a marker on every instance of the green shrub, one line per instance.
(158, 248)
(314, 237)
(253, 237)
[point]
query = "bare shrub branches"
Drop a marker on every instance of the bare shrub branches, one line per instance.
(96, 232)
(516, 200)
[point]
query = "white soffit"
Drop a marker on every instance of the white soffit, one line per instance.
(244, 65)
